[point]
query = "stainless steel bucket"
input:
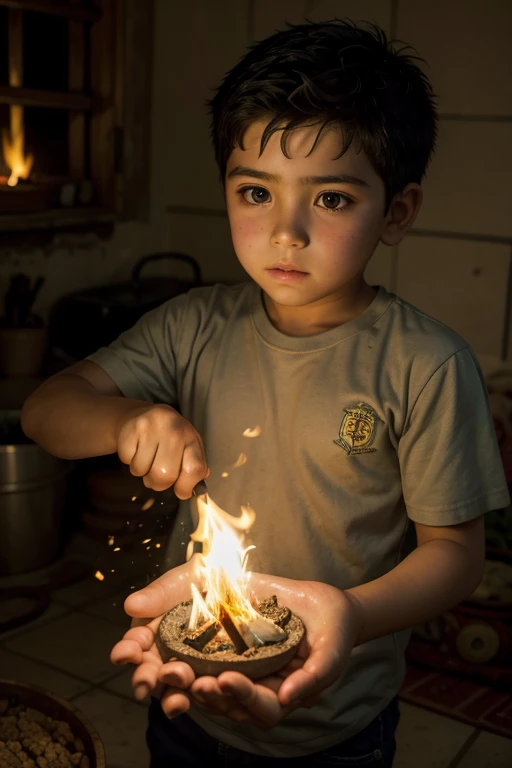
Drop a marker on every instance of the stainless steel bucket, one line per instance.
(33, 488)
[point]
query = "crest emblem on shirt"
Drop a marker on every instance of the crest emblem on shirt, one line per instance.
(357, 429)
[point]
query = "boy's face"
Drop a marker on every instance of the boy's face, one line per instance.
(304, 228)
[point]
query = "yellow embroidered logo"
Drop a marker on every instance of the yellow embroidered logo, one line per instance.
(357, 429)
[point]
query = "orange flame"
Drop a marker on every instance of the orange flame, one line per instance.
(222, 564)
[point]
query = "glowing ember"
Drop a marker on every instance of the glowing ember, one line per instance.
(98, 575)
(225, 474)
(117, 549)
(110, 540)
(256, 432)
(134, 498)
(242, 459)
(147, 504)
(158, 546)
(146, 541)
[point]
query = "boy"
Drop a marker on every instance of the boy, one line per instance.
(377, 457)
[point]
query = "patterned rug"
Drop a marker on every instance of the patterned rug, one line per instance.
(475, 703)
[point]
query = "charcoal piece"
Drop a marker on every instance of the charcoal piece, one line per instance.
(198, 638)
(218, 646)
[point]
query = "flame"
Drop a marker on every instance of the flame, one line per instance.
(13, 145)
(221, 565)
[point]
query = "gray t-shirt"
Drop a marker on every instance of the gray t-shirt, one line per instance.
(364, 428)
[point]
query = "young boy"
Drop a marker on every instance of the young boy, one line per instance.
(377, 458)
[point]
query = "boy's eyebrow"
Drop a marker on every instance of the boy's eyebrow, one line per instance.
(242, 170)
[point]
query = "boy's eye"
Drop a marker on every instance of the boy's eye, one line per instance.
(255, 195)
(333, 201)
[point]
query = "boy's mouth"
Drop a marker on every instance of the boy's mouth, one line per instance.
(286, 273)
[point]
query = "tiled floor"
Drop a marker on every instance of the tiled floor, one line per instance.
(66, 650)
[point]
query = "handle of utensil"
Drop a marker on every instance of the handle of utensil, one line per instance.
(200, 489)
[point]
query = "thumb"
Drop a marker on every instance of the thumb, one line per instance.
(162, 594)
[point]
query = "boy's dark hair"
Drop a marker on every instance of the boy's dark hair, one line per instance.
(332, 73)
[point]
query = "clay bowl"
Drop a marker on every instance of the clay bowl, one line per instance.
(54, 706)
(259, 662)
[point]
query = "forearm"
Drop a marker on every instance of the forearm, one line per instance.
(432, 579)
(70, 419)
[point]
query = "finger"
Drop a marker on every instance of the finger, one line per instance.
(143, 634)
(317, 674)
(193, 469)
(126, 652)
(259, 700)
(169, 589)
(143, 457)
(127, 447)
(174, 702)
(176, 674)
(165, 467)
(145, 676)
(206, 690)
(293, 665)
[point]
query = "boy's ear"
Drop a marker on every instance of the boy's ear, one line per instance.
(402, 212)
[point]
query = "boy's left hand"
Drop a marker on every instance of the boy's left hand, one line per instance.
(332, 622)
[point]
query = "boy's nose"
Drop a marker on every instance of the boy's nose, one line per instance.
(290, 234)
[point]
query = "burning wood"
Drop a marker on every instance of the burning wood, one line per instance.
(252, 633)
(198, 638)
(222, 626)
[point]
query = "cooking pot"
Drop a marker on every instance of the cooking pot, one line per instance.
(82, 322)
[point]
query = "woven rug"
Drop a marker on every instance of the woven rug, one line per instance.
(475, 703)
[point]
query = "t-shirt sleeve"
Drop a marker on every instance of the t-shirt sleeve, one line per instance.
(449, 457)
(142, 360)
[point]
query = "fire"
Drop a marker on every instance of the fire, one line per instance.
(13, 145)
(222, 563)
(222, 608)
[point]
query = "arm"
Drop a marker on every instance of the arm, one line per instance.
(81, 413)
(76, 414)
(446, 567)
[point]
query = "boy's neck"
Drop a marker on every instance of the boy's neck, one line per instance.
(321, 316)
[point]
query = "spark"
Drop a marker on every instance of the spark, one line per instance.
(110, 541)
(116, 549)
(158, 546)
(225, 474)
(256, 432)
(134, 498)
(240, 461)
(98, 575)
(146, 541)
(147, 504)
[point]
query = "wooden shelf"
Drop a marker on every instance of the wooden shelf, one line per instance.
(56, 218)
(27, 97)
(75, 11)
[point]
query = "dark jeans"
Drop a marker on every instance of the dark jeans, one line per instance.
(181, 743)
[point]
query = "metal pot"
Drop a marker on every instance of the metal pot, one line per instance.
(33, 488)
(84, 321)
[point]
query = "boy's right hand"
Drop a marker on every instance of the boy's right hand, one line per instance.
(163, 448)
